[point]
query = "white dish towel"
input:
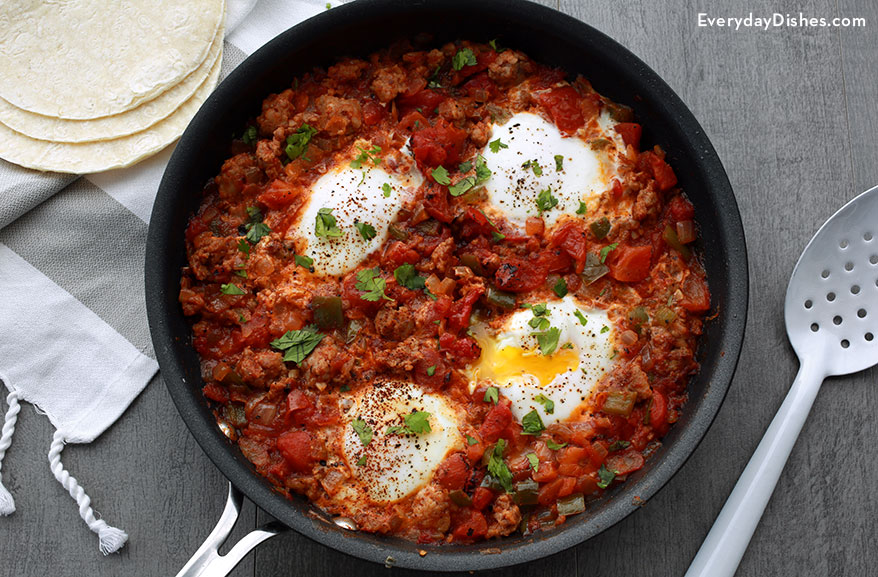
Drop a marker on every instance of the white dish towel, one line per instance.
(61, 348)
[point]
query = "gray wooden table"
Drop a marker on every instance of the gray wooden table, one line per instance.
(793, 113)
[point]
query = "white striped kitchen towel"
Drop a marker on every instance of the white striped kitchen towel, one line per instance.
(74, 339)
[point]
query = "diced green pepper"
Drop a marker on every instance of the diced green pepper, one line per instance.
(460, 498)
(670, 236)
(600, 228)
(526, 492)
(327, 312)
(665, 315)
(619, 403)
(472, 261)
(638, 316)
(501, 299)
(571, 505)
(593, 269)
(397, 233)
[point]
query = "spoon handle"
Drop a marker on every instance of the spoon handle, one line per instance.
(724, 546)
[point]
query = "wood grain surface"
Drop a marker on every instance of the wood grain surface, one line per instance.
(793, 113)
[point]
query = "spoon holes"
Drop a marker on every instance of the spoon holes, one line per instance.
(845, 343)
(843, 244)
(869, 337)
(815, 327)
(808, 304)
(873, 259)
(830, 297)
(837, 320)
(867, 237)
(861, 313)
(855, 290)
(825, 273)
(849, 266)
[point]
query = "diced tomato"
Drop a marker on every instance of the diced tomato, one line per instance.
(373, 113)
(278, 195)
(630, 263)
(482, 497)
(453, 472)
(617, 188)
(571, 470)
(661, 170)
(464, 348)
(554, 260)
(474, 452)
(398, 253)
(597, 452)
(630, 133)
(440, 144)
(571, 237)
(471, 528)
(568, 485)
(474, 223)
(563, 105)
(549, 492)
(587, 484)
(572, 455)
(426, 100)
(496, 421)
(254, 333)
(546, 472)
(480, 87)
(431, 369)
(520, 275)
(413, 121)
(679, 209)
(295, 447)
(214, 392)
(300, 409)
(625, 462)
(658, 412)
(696, 296)
(463, 307)
(436, 203)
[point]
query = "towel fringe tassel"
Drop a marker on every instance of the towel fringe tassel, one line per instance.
(7, 503)
(111, 539)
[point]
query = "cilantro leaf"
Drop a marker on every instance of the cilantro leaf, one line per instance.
(370, 282)
(363, 430)
(532, 424)
(250, 135)
(304, 261)
(533, 165)
(325, 225)
(539, 310)
(606, 250)
(244, 246)
(582, 320)
(407, 276)
(606, 476)
(257, 231)
(231, 289)
(465, 166)
(559, 162)
(548, 340)
(361, 461)
(416, 423)
(539, 323)
(440, 175)
(367, 231)
(471, 440)
(583, 208)
(555, 446)
(366, 156)
(546, 402)
(560, 288)
(464, 57)
(461, 186)
(492, 395)
(297, 142)
(498, 468)
(385, 189)
(431, 371)
(605, 329)
(545, 200)
(493, 44)
(296, 345)
(534, 461)
(483, 173)
(496, 145)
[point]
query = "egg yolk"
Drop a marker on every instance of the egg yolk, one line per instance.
(504, 364)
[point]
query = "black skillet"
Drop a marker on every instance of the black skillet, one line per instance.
(546, 36)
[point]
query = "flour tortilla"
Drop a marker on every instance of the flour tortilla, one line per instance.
(88, 157)
(85, 59)
(111, 127)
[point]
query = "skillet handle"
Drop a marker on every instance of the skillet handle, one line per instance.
(208, 561)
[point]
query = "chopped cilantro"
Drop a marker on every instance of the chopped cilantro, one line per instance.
(231, 289)
(533, 165)
(464, 57)
(605, 329)
(483, 173)
(367, 231)
(461, 186)
(244, 246)
(496, 145)
(560, 288)
(534, 461)
(250, 135)
(304, 261)
(498, 468)
(296, 345)
(325, 225)
(363, 430)
(583, 208)
(532, 424)
(545, 200)
(465, 166)
(297, 142)
(559, 162)
(407, 276)
(539, 323)
(606, 250)
(582, 320)
(546, 402)
(431, 371)
(370, 282)
(492, 395)
(416, 423)
(440, 175)
(548, 340)
(365, 156)
(493, 44)
(385, 188)
(555, 446)
(433, 81)
(257, 231)
(471, 440)
(361, 461)
(606, 476)
(241, 273)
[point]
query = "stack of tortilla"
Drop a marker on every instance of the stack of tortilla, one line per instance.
(90, 85)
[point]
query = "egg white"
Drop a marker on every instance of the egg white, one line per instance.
(396, 466)
(574, 370)
(513, 189)
(354, 195)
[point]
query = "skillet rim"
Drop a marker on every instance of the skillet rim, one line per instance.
(162, 281)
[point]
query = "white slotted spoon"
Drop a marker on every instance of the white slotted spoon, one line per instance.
(831, 314)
